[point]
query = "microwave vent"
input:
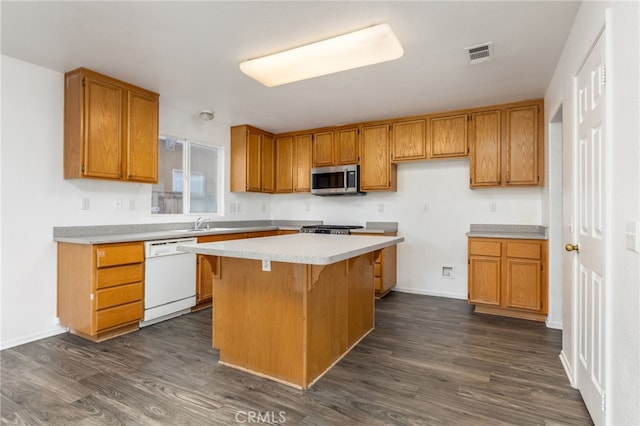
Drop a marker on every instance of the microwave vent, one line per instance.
(480, 53)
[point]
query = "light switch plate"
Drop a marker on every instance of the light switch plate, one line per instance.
(631, 235)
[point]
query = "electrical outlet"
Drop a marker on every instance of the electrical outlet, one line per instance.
(493, 207)
(266, 265)
(117, 204)
(380, 208)
(85, 204)
(426, 207)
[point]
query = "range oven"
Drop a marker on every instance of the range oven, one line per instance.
(337, 180)
(329, 229)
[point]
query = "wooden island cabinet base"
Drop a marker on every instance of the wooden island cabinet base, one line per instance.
(291, 323)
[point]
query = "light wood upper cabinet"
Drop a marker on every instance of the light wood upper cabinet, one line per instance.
(323, 149)
(522, 146)
(408, 140)
(347, 145)
(506, 146)
(284, 164)
(448, 136)
(246, 158)
(377, 173)
(484, 161)
(110, 129)
(302, 163)
(508, 277)
(268, 164)
(142, 137)
(335, 147)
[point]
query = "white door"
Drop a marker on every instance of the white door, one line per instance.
(590, 233)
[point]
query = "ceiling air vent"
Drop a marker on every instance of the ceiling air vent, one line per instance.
(480, 53)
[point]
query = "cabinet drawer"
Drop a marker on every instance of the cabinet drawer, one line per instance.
(377, 283)
(119, 315)
(119, 254)
(119, 295)
(524, 250)
(485, 248)
(108, 277)
(377, 269)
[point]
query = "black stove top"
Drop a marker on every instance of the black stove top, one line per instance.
(329, 229)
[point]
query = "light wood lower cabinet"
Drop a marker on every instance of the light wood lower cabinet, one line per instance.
(100, 288)
(207, 265)
(384, 268)
(508, 277)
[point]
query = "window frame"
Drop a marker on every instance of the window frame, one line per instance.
(186, 181)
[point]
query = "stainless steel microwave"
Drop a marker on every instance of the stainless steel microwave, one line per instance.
(337, 180)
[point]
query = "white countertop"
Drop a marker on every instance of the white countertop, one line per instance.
(313, 249)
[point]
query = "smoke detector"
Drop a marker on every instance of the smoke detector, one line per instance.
(206, 115)
(480, 53)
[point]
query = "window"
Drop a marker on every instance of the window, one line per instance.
(189, 178)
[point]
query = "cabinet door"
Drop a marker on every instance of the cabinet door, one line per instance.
(284, 164)
(142, 137)
(254, 161)
(323, 149)
(204, 277)
(347, 146)
(268, 164)
(522, 146)
(408, 140)
(449, 136)
(375, 164)
(484, 280)
(485, 155)
(103, 102)
(302, 164)
(523, 284)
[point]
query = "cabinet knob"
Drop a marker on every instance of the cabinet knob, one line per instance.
(572, 247)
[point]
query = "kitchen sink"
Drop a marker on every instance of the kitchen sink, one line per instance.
(202, 230)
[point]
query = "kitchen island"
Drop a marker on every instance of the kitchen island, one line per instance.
(289, 307)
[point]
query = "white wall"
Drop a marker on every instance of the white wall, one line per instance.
(623, 286)
(35, 197)
(432, 239)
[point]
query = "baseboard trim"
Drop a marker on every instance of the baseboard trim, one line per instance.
(554, 324)
(430, 293)
(567, 369)
(33, 337)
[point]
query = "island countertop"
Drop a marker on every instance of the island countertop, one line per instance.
(313, 249)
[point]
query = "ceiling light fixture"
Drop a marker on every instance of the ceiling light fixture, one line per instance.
(206, 115)
(369, 46)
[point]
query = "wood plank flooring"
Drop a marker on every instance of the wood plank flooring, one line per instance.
(430, 361)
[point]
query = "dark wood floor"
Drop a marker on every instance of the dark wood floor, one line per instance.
(429, 361)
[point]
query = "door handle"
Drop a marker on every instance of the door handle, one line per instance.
(572, 247)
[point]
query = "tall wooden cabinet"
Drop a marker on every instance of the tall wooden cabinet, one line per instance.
(247, 159)
(100, 288)
(377, 173)
(302, 163)
(508, 277)
(110, 129)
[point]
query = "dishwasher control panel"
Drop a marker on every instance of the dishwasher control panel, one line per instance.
(165, 247)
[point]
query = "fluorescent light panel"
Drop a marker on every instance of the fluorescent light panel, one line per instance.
(369, 46)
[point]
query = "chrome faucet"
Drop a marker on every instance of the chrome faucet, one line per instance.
(199, 221)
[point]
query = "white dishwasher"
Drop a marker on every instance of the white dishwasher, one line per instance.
(169, 280)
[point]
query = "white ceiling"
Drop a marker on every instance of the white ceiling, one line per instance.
(189, 53)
